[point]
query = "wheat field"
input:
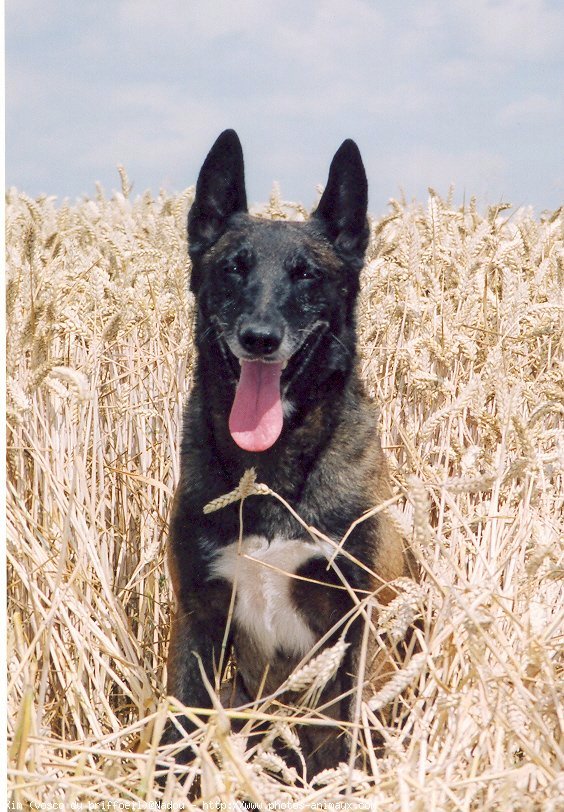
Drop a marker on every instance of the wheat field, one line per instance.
(461, 334)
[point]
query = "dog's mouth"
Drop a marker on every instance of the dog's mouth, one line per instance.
(257, 415)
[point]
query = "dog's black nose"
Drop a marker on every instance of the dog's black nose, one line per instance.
(260, 338)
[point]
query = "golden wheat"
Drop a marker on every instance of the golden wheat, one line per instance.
(461, 332)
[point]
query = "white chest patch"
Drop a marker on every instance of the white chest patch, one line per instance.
(261, 572)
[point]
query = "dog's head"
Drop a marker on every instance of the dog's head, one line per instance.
(278, 296)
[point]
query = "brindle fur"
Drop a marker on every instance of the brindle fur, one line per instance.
(327, 463)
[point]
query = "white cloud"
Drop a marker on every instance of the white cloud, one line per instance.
(28, 16)
(512, 29)
(535, 109)
(470, 171)
(182, 20)
(434, 92)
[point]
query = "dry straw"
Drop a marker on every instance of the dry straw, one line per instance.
(460, 324)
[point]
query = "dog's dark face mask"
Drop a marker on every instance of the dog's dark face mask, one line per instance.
(277, 296)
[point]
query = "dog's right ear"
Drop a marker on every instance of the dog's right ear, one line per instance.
(342, 209)
(220, 192)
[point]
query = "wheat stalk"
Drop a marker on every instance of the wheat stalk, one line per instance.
(461, 327)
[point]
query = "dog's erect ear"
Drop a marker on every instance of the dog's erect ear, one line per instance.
(220, 192)
(344, 203)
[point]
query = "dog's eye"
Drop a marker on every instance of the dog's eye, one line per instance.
(235, 267)
(301, 270)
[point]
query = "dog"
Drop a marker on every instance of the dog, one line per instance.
(277, 389)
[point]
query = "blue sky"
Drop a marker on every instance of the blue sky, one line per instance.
(435, 92)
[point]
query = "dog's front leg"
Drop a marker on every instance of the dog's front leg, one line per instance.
(195, 646)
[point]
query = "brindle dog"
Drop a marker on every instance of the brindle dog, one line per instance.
(277, 389)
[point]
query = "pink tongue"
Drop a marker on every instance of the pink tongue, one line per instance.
(255, 421)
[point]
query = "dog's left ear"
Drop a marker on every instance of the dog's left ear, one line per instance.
(343, 206)
(220, 193)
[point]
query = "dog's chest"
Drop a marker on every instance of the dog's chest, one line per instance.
(262, 574)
